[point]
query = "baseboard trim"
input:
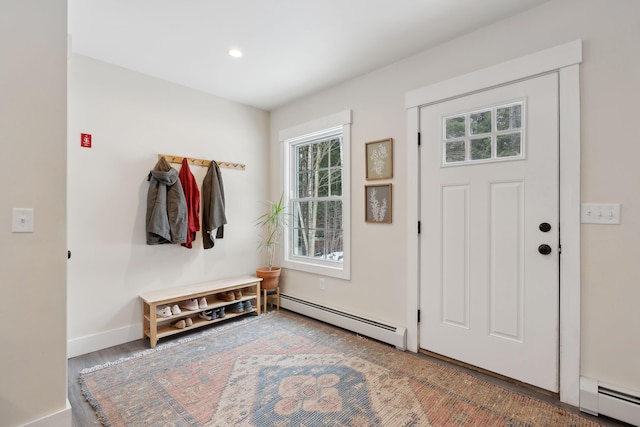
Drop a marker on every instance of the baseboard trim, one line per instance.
(62, 418)
(102, 340)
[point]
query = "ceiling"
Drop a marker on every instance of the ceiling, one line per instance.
(291, 48)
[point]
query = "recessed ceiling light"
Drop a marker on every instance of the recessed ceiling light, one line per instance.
(236, 53)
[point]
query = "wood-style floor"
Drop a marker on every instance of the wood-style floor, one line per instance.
(84, 416)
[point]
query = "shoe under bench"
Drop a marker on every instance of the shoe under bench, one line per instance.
(156, 327)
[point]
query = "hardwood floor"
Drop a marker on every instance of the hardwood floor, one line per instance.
(84, 415)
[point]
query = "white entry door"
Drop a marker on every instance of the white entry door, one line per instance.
(489, 246)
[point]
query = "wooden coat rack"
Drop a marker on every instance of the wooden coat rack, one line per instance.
(200, 162)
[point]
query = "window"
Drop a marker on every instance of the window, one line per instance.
(316, 158)
(486, 135)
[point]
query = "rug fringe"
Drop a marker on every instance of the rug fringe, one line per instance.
(101, 416)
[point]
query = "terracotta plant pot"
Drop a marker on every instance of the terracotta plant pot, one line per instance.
(270, 278)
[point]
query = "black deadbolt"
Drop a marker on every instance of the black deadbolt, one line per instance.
(544, 227)
(544, 249)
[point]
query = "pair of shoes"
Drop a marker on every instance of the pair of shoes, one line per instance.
(241, 306)
(217, 313)
(237, 294)
(181, 324)
(190, 304)
(208, 314)
(194, 303)
(227, 296)
(165, 311)
(236, 308)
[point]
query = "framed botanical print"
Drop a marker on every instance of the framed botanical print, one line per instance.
(378, 203)
(379, 159)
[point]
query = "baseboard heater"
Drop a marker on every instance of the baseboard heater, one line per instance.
(394, 335)
(598, 398)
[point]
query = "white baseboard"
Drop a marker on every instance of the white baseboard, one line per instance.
(90, 343)
(61, 418)
(394, 335)
(598, 398)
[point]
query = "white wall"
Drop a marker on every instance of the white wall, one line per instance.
(133, 118)
(609, 87)
(33, 110)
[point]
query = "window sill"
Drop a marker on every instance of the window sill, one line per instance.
(321, 269)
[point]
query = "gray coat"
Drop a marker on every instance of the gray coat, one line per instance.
(213, 215)
(166, 206)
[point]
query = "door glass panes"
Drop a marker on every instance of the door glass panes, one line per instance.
(455, 127)
(480, 123)
(481, 148)
(509, 117)
(508, 145)
(455, 151)
(494, 133)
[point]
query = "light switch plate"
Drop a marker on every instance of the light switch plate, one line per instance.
(22, 220)
(600, 213)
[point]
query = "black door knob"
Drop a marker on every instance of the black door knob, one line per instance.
(544, 227)
(544, 249)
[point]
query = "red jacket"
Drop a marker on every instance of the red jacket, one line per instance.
(192, 196)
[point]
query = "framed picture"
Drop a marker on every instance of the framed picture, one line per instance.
(377, 204)
(379, 159)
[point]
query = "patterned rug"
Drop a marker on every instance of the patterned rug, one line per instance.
(282, 369)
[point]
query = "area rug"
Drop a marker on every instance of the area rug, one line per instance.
(282, 369)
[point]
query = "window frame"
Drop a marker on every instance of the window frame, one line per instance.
(305, 133)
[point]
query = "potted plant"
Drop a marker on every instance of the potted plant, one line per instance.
(272, 224)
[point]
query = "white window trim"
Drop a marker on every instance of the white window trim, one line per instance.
(296, 133)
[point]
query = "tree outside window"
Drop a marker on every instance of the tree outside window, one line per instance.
(317, 229)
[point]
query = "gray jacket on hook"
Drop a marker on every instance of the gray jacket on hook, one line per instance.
(213, 215)
(166, 206)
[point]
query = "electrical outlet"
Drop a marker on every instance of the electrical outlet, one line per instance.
(322, 286)
(600, 213)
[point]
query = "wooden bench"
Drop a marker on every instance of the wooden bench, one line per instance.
(156, 327)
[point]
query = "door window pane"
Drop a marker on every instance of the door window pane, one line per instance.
(508, 145)
(480, 122)
(493, 133)
(455, 127)
(455, 151)
(509, 117)
(481, 148)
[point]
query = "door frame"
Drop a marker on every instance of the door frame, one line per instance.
(563, 59)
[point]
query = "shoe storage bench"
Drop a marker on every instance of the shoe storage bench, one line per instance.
(156, 327)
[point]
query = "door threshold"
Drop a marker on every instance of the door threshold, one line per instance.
(493, 377)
